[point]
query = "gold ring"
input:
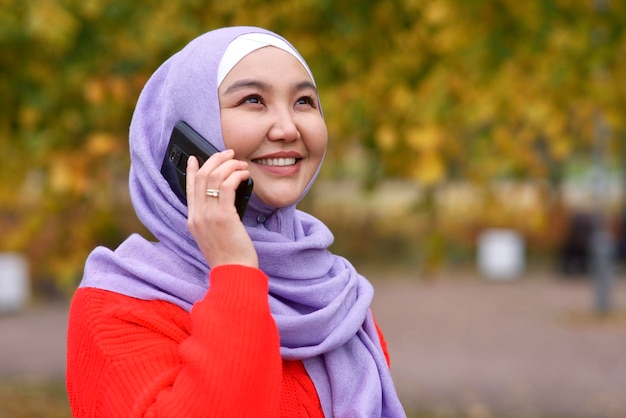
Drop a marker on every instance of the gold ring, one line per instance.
(213, 192)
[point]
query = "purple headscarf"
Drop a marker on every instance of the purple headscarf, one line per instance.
(309, 288)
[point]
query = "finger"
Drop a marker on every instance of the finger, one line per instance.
(210, 176)
(212, 173)
(228, 189)
(192, 169)
(216, 160)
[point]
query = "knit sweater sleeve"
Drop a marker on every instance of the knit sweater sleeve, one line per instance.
(130, 358)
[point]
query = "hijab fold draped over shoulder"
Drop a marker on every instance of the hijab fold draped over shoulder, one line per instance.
(309, 288)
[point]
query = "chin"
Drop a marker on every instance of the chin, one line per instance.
(278, 203)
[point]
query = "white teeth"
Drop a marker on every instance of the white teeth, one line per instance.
(277, 161)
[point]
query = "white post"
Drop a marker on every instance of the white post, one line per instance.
(501, 254)
(14, 282)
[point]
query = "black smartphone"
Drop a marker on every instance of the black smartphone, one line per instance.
(185, 141)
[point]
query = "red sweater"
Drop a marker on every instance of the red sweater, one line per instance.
(134, 358)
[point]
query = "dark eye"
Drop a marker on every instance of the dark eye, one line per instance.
(252, 99)
(306, 100)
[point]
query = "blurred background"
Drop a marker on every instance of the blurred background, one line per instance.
(476, 152)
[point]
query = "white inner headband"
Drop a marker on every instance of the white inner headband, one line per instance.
(245, 44)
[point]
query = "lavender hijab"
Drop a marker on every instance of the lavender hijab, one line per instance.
(321, 305)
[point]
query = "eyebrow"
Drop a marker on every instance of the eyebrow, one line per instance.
(242, 84)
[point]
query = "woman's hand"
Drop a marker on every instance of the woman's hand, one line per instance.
(213, 221)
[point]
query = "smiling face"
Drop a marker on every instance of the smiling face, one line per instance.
(271, 118)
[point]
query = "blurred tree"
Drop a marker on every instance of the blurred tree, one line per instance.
(434, 90)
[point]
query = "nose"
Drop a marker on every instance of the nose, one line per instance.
(284, 127)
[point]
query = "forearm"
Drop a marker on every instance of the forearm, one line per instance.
(140, 358)
(231, 360)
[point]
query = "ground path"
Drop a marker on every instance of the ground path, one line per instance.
(528, 347)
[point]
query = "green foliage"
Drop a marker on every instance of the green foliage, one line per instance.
(434, 90)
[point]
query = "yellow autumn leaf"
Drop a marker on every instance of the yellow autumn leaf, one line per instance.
(560, 147)
(91, 8)
(555, 125)
(424, 139)
(101, 143)
(93, 91)
(428, 169)
(29, 116)
(386, 138)
(119, 88)
(60, 178)
(537, 113)
(401, 98)
(49, 21)
(501, 135)
(436, 12)
(68, 173)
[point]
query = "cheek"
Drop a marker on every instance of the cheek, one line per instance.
(318, 146)
(237, 138)
(228, 133)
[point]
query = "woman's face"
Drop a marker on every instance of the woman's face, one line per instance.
(271, 118)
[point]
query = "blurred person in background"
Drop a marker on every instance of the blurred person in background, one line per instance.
(222, 316)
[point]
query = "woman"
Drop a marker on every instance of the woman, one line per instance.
(224, 317)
